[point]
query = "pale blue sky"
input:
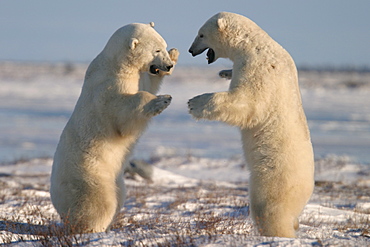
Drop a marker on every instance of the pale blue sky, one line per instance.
(315, 32)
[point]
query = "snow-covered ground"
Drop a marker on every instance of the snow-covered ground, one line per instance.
(199, 195)
(191, 202)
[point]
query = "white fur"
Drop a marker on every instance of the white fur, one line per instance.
(87, 187)
(264, 102)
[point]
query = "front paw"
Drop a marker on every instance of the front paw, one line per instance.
(157, 105)
(201, 106)
(227, 74)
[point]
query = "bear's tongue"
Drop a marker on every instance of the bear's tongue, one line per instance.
(210, 56)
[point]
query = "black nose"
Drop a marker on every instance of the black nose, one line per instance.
(169, 67)
(191, 51)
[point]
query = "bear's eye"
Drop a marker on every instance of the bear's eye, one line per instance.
(158, 51)
(201, 35)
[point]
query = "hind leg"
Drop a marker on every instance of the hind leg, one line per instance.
(121, 192)
(91, 208)
(272, 217)
(275, 225)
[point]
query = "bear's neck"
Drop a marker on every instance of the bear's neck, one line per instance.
(243, 70)
(127, 80)
(125, 76)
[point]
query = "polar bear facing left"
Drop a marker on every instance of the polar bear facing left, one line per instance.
(87, 186)
(264, 101)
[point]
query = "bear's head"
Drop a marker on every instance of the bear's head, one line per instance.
(139, 46)
(220, 34)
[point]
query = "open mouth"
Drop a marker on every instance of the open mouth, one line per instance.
(210, 55)
(154, 69)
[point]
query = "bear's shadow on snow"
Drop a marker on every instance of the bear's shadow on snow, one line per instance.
(27, 228)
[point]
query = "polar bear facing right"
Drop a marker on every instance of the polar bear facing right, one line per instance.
(264, 101)
(87, 187)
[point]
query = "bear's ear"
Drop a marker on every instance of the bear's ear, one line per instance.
(133, 43)
(221, 24)
(151, 24)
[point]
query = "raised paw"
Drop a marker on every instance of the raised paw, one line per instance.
(157, 105)
(227, 73)
(201, 106)
(174, 55)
